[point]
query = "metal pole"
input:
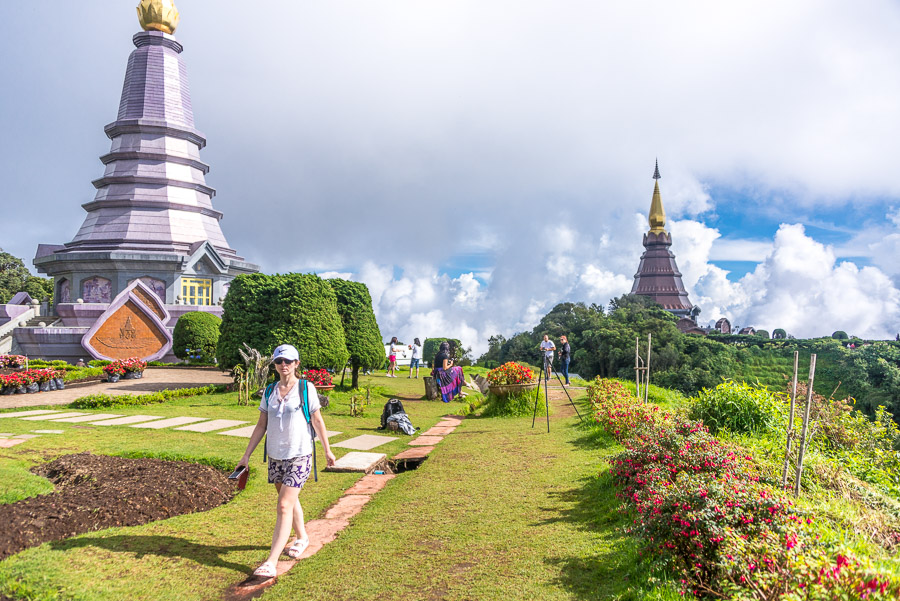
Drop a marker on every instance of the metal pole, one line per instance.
(546, 394)
(790, 428)
(803, 438)
(537, 396)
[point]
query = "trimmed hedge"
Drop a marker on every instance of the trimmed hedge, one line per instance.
(100, 401)
(267, 310)
(360, 327)
(196, 333)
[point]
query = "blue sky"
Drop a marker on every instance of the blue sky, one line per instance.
(476, 163)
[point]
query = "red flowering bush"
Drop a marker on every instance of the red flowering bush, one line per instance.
(122, 366)
(510, 373)
(114, 369)
(319, 377)
(29, 376)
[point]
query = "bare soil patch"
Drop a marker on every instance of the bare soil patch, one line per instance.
(97, 491)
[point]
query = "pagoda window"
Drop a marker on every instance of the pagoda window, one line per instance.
(196, 291)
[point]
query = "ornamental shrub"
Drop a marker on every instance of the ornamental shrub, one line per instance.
(99, 401)
(196, 333)
(738, 407)
(520, 404)
(431, 345)
(363, 338)
(267, 310)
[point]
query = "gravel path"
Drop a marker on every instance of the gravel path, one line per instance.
(155, 378)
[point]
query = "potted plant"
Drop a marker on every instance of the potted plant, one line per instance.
(31, 382)
(59, 379)
(510, 378)
(114, 371)
(42, 377)
(5, 386)
(320, 378)
(134, 368)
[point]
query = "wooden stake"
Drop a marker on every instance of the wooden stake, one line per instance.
(647, 375)
(637, 367)
(804, 441)
(790, 428)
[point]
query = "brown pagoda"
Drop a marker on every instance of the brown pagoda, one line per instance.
(657, 275)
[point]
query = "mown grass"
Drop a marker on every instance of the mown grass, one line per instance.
(499, 511)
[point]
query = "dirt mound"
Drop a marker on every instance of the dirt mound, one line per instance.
(96, 491)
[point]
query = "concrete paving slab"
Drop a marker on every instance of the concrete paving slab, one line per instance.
(24, 413)
(87, 418)
(358, 462)
(6, 443)
(124, 421)
(26, 436)
(49, 431)
(330, 434)
(424, 441)
(37, 418)
(416, 453)
(346, 507)
(6, 434)
(369, 485)
(364, 442)
(168, 423)
(216, 424)
(245, 432)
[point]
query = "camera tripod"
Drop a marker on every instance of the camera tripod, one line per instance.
(545, 369)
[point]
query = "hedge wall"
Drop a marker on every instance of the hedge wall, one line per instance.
(267, 310)
(197, 332)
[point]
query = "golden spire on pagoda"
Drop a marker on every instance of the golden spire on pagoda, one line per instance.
(159, 15)
(657, 213)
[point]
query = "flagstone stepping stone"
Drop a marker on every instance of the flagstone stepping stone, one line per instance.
(124, 421)
(329, 434)
(245, 432)
(6, 443)
(346, 507)
(24, 413)
(26, 436)
(49, 431)
(358, 462)
(416, 453)
(172, 421)
(87, 418)
(455, 418)
(423, 441)
(36, 418)
(216, 424)
(364, 442)
(439, 431)
(6, 434)
(369, 485)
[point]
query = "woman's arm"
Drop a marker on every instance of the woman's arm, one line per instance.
(319, 424)
(448, 363)
(258, 432)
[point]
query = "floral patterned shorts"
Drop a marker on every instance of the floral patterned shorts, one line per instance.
(293, 472)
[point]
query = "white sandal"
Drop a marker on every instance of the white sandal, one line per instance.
(266, 570)
(297, 549)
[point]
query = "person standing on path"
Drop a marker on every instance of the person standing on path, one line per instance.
(289, 443)
(547, 347)
(565, 354)
(392, 358)
(416, 347)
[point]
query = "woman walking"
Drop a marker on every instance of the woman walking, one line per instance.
(449, 377)
(416, 347)
(289, 444)
(392, 358)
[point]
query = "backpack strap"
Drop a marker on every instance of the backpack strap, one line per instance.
(266, 394)
(304, 405)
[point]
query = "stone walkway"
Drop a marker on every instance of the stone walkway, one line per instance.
(337, 517)
(154, 380)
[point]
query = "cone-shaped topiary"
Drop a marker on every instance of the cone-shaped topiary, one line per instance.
(360, 327)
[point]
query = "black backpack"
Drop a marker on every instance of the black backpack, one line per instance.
(390, 408)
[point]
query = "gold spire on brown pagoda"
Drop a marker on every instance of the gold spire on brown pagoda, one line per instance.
(158, 15)
(657, 212)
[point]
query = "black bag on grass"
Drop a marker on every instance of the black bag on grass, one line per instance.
(390, 408)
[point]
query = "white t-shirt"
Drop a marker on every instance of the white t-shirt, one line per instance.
(415, 351)
(287, 433)
(548, 346)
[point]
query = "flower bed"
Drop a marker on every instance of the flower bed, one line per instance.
(12, 361)
(703, 507)
(31, 380)
(132, 367)
(319, 377)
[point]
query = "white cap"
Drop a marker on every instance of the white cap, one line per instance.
(286, 351)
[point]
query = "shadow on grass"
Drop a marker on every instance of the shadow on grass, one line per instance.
(163, 546)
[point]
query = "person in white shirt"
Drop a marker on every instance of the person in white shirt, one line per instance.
(416, 347)
(289, 444)
(547, 347)
(392, 358)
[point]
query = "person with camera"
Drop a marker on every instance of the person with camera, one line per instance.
(565, 354)
(449, 377)
(289, 443)
(547, 348)
(416, 348)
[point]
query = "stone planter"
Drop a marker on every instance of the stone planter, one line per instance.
(324, 388)
(44, 386)
(112, 378)
(504, 390)
(32, 388)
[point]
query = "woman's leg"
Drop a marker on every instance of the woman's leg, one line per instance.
(287, 505)
(297, 523)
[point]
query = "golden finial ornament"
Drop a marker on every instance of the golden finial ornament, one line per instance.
(158, 15)
(657, 212)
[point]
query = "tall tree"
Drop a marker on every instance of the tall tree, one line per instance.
(354, 305)
(14, 277)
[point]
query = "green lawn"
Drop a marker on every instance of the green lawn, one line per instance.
(499, 511)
